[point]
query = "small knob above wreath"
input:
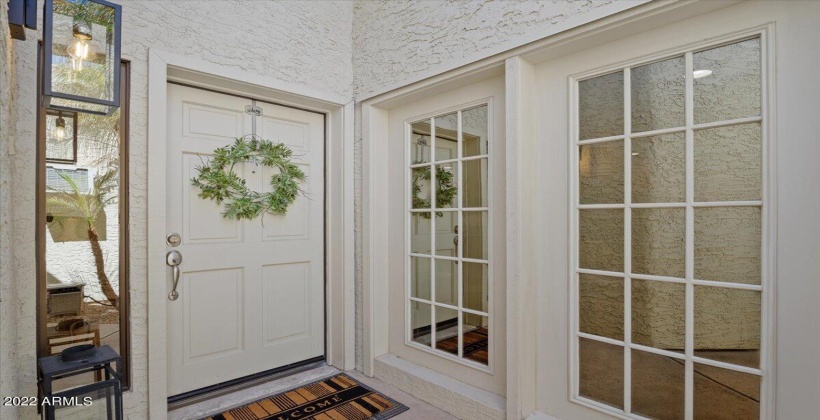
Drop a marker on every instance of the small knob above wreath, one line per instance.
(217, 180)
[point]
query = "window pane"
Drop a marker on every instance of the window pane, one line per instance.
(657, 386)
(658, 92)
(82, 255)
(447, 329)
(420, 235)
(447, 282)
(728, 163)
(658, 314)
(420, 177)
(420, 328)
(658, 241)
(601, 170)
(476, 287)
(446, 185)
(727, 244)
(727, 325)
(446, 230)
(601, 106)
(475, 131)
(446, 137)
(601, 304)
(475, 183)
(420, 277)
(725, 394)
(475, 338)
(732, 89)
(601, 367)
(420, 142)
(659, 169)
(602, 239)
(475, 235)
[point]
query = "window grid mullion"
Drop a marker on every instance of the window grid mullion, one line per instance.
(433, 205)
(459, 242)
(627, 240)
(671, 130)
(689, 253)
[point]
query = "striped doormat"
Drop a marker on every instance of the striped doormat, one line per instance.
(336, 398)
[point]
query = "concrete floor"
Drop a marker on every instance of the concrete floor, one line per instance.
(419, 410)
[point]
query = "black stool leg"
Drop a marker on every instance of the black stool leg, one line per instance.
(118, 396)
(48, 411)
(106, 368)
(118, 400)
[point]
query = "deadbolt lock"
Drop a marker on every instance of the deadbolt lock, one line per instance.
(173, 240)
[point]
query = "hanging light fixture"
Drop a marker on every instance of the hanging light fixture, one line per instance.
(81, 63)
(59, 128)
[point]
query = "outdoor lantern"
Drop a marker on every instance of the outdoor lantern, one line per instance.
(59, 128)
(82, 55)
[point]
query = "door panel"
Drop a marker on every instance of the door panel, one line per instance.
(287, 315)
(251, 292)
(212, 320)
(204, 223)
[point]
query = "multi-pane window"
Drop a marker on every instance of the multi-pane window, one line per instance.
(448, 221)
(669, 209)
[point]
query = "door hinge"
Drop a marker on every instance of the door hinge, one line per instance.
(253, 110)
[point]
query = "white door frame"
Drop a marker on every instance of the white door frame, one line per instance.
(164, 66)
(524, 384)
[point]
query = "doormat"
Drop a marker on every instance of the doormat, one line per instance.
(336, 398)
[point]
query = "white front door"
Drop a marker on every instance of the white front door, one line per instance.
(446, 208)
(251, 293)
(677, 283)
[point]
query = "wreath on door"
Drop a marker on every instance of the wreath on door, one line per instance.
(445, 190)
(218, 181)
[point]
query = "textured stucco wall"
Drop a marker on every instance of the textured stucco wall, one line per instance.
(8, 302)
(306, 43)
(395, 41)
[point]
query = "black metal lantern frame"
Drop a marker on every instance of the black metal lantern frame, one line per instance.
(68, 122)
(82, 55)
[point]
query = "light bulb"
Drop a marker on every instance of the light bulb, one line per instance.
(78, 51)
(60, 128)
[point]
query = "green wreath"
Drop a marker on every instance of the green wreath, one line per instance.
(218, 181)
(445, 190)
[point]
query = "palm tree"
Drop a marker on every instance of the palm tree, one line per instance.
(89, 206)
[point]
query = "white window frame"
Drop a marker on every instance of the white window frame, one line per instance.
(767, 285)
(408, 210)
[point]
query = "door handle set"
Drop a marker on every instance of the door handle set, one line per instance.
(455, 240)
(173, 258)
